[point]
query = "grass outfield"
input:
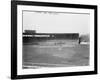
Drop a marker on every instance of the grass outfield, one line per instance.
(35, 56)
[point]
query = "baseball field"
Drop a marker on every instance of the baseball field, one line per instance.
(38, 56)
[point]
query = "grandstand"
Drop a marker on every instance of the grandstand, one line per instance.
(31, 37)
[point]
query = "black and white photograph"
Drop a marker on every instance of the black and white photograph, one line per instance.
(53, 38)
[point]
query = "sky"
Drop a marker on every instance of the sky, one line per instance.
(51, 22)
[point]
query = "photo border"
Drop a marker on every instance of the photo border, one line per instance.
(14, 38)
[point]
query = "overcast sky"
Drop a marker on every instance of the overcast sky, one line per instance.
(44, 22)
